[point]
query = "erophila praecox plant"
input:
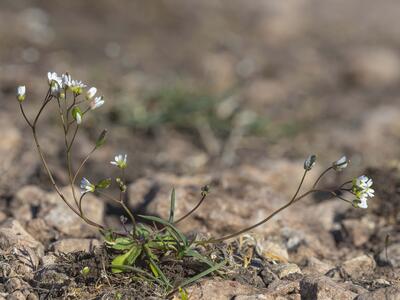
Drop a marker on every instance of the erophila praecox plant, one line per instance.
(140, 247)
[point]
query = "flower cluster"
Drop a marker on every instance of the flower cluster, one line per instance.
(59, 85)
(362, 190)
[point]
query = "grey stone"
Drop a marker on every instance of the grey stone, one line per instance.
(74, 245)
(388, 293)
(359, 266)
(12, 234)
(321, 287)
(66, 221)
(285, 271)
(393, 256)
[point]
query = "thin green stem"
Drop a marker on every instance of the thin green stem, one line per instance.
(24, 115)
(73, 138)
(82, 164)
(320, 176)
(299, 187)
(259, 223)
(347, 182)
(45, 102)
(192, 210)
(127, 210)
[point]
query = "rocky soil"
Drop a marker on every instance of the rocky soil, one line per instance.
(326, 76)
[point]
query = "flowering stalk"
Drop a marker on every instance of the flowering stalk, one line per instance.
(57, 92)
(361, 188)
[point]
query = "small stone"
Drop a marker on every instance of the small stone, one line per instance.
(48, 260)
(359, 230)
(32, 296)
(375, 67)
(359, 266)
(382, 282)
(390, 256)
(66, 221)
(13, 284)
(74, 245)
(388, 293)
(41, 231)
(321, 288)
(12, 234)
(315, 266)
(3, 217)
(27, 202)
(17, 295)
(287, 271)
(254, 297)
(268, 276)
(218, 289)
(273, 251)
(50, 277)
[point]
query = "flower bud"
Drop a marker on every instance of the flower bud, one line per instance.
(310, 162)
(340, 164)
(77, 114)
(21, 93)
(90, 93)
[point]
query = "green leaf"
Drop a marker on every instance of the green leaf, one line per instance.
(103, 184)
(202, 274)
(158, 273)
(172, 207)
(122, 243)
(198, 256)
(184, 295)
(128, 258)
(149, 253)
(163, 222)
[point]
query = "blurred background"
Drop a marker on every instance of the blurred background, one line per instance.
(195, 86)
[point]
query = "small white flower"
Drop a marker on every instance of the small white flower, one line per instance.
(90, 93)
(120, 161)
(66, 80)
(86, 186)
(340, 164)
(21, 93)
(52, 76)
(96, 103)
(363, 203)
(77, 86)
(55, 88)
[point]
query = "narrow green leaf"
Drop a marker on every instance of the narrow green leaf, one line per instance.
(166, 223)
(172, 207)
(156, 270)
(202, 274)
(198, 256)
